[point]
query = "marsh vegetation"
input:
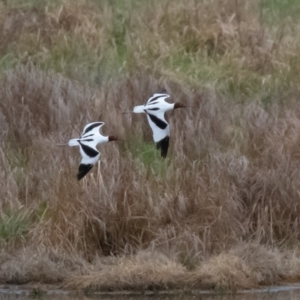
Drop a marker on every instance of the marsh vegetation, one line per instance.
(222, 211)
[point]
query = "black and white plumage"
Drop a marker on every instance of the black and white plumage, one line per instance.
(155, 109)
(90, 138)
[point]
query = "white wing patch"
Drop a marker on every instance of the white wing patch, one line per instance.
(158, 132)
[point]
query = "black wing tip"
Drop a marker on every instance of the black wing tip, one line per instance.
(83, 170)
(163, 145)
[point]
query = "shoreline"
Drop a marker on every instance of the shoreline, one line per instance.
(46, 289)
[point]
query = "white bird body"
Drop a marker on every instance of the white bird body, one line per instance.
(155, 109)
(90, 138)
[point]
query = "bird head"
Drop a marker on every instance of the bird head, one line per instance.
(179, 105)
(113, 138)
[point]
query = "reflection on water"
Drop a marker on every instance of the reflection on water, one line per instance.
(276, 293)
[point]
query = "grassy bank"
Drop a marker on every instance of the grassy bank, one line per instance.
(222, 211)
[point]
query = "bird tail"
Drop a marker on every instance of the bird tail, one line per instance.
(73, 142)
(138, 109)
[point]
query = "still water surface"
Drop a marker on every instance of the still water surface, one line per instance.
(272, 293)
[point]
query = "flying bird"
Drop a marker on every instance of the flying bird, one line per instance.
(155, 109)
(87, 143)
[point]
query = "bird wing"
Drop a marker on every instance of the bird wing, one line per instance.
(91, 128)
(89, 153)
(90, 156)
(156, 97)
(83, 170)
(163, 145)
(161, 131)
(158, 124)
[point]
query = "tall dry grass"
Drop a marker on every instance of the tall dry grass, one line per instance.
(220, 212)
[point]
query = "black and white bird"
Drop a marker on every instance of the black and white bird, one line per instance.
(90, 138)
(155, 109)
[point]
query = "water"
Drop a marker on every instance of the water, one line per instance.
(291, 292)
